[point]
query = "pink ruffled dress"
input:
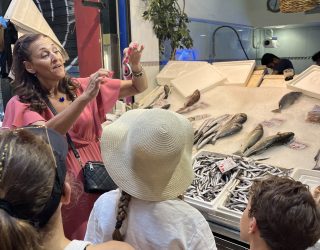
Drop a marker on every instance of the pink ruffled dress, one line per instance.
(85, 133)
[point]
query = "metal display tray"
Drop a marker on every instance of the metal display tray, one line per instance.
(308, 177)
(231, 218)
(225, 216)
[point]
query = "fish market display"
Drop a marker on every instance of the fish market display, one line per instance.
(191, 100)
(215, 128)
(209, 180)
(230, 127)
(287, 100)
(208, 129)
(254, 136)
(238, 197)
(226, 131)
(267, 142)
(317, 159)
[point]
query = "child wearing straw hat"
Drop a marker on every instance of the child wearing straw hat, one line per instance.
(148, 155)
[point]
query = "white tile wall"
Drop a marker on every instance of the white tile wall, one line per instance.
(142, 32)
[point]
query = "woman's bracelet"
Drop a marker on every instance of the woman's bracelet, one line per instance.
(138, 74)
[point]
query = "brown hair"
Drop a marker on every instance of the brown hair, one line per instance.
(27, 85)
(286, 213)
(121, 215)
(26, 184)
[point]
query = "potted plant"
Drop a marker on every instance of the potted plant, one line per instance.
(169, 23)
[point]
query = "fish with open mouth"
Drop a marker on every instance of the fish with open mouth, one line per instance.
(287, 100)
(254, 136)
(267, 142)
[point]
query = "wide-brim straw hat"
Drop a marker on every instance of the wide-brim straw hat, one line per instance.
(148, 153)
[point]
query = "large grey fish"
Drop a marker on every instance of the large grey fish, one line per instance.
(208, 128)
(226, 131)
(317, 159)
(239, 119)
(254, 136)
(287, 100)
(263, 144)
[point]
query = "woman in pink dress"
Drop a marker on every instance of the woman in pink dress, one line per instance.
(81, 103)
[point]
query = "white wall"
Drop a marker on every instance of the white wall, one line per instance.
(260, 17)
(142, 32)
(229, 11)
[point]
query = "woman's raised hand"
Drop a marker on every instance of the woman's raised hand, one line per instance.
(96, 79)
(133, 54)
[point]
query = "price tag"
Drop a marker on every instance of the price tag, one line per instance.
(226, 164)
(297, 145)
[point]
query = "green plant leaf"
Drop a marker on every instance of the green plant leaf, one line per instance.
(169, 23)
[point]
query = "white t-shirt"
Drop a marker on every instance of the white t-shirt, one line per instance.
(77, 245)
(166, 225)
(315, 247)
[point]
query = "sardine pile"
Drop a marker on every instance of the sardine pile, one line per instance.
(250, 171)
(209, 180)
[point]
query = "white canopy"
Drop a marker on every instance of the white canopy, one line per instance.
(26, 18)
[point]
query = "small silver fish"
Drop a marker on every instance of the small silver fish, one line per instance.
(263, 144)
(287, 100)
(254, 136)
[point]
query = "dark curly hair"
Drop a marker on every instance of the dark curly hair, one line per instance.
(286, 213)
(268, 58)
(27, 85)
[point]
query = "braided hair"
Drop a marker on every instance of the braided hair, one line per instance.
(121, 215)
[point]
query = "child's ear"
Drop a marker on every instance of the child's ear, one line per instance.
(253, 227)
(29, 67)
(65, 198)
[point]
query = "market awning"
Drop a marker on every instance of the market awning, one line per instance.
(26, 18)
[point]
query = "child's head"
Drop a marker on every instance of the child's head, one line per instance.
(30, 184)
(148, 153)
(282, 213)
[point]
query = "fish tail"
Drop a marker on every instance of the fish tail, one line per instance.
(276, 111)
